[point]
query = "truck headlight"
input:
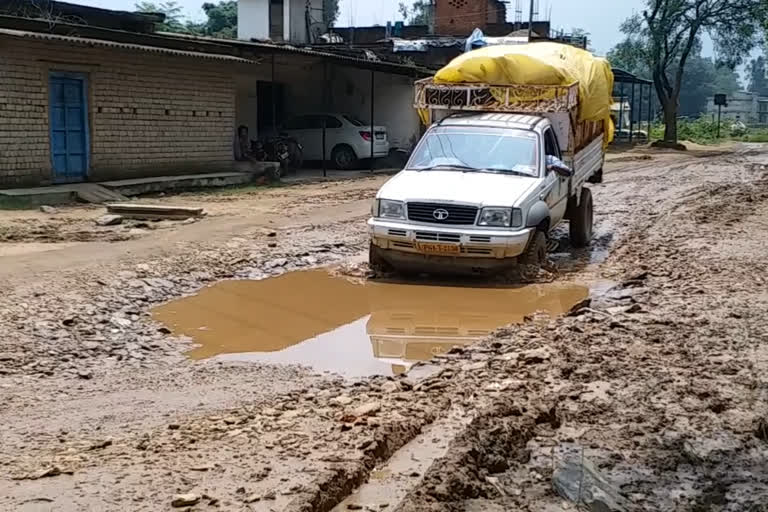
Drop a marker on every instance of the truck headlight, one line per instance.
(388, 209)
(501, 217)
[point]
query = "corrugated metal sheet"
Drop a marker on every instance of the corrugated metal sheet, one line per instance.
(270, 48)
(82, 41)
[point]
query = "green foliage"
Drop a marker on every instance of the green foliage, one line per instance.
(330, 12)
(221, 18)
(704, 131)
(756, 136)
(171, 10)
(666, 38)
(757, 80)
(418, 13)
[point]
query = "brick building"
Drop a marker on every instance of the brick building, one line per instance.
(460, 17)
(80, 102)
(73, 111)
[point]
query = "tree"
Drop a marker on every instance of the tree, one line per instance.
(222, 20)
(668, 31)
(419, 13)
(757, 79)
(330, 12)
(702, 80)
(579, 33)
(172, 11)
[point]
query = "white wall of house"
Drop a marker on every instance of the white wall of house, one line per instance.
(349, 91)
(252, 19)
(742, 105)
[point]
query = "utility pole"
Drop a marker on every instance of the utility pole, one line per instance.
(530, 23)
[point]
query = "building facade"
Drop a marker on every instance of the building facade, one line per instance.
(459, 17)
(73, 112)
(747, 107)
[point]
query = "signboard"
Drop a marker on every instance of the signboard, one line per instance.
(721, 100)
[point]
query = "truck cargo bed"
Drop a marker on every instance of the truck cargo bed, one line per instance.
(496, 98)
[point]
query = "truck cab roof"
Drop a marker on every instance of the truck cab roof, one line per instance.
(495, 120)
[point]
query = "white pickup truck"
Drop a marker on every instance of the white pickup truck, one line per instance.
(488, 183)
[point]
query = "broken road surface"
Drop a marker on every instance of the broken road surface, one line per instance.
(652, 394)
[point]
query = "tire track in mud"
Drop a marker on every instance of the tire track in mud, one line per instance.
(683, 381)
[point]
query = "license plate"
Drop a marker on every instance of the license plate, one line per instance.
(283, 156)
(438, 248)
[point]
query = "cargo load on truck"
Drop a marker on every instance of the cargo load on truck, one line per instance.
(536, 78)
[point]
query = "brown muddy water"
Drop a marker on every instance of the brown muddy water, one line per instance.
(333, 324)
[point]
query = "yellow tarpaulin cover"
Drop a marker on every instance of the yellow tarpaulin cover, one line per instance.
(540, 64)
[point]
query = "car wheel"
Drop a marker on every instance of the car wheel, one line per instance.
(581, 220)
(344, 158)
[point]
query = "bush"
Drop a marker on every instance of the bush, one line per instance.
(700, 131)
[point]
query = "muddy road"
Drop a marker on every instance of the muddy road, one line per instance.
(294, 382)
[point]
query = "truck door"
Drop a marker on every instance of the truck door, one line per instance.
(557, 199)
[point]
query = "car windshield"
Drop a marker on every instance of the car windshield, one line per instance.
(477, 149)
(355, 121)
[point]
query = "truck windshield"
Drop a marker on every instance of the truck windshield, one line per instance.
(477, 149)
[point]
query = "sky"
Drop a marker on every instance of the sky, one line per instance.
(598, 17)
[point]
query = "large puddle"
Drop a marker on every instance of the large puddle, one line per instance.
(333, 324)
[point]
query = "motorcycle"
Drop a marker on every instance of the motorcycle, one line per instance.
(285, 150)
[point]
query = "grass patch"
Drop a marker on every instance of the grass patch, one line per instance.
(704, 131)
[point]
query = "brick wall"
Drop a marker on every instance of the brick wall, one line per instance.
(461, 17)
(149, 114)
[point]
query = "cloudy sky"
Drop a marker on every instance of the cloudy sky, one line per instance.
(598, 17)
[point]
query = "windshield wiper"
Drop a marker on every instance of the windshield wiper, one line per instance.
(448, 166)
(507, 171)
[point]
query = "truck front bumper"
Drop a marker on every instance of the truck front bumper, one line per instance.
(402, 245)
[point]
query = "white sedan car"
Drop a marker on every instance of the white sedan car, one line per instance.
(347, 139)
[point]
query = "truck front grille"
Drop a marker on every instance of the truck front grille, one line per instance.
(445, 214)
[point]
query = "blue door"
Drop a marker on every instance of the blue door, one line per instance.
(69, 127)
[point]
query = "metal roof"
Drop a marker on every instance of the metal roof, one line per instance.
(621, 76)
(269, 48)
(82, 41)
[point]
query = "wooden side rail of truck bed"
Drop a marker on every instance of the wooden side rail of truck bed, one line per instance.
(496, 98)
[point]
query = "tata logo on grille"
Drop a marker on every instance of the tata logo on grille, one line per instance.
(440, 214)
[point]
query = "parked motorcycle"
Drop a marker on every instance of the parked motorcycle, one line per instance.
(285, 150)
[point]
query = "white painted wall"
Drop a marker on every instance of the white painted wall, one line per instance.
(253, 19)
(349, 92)
(393, 105)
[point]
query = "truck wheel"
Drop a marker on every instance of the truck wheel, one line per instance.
(376, 262)
(581, 220)
(534, 257)
(597, 177)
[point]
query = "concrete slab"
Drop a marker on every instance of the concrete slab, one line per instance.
(137, 186)
(309, 175)
(57, 194)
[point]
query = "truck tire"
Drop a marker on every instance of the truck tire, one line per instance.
(376, 263)
(535, 255)
(581, 220)
(597, 177)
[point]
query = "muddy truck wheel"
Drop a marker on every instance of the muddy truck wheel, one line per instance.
(597, 177)
(535, 255)
(581, 220)
(377, 264)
